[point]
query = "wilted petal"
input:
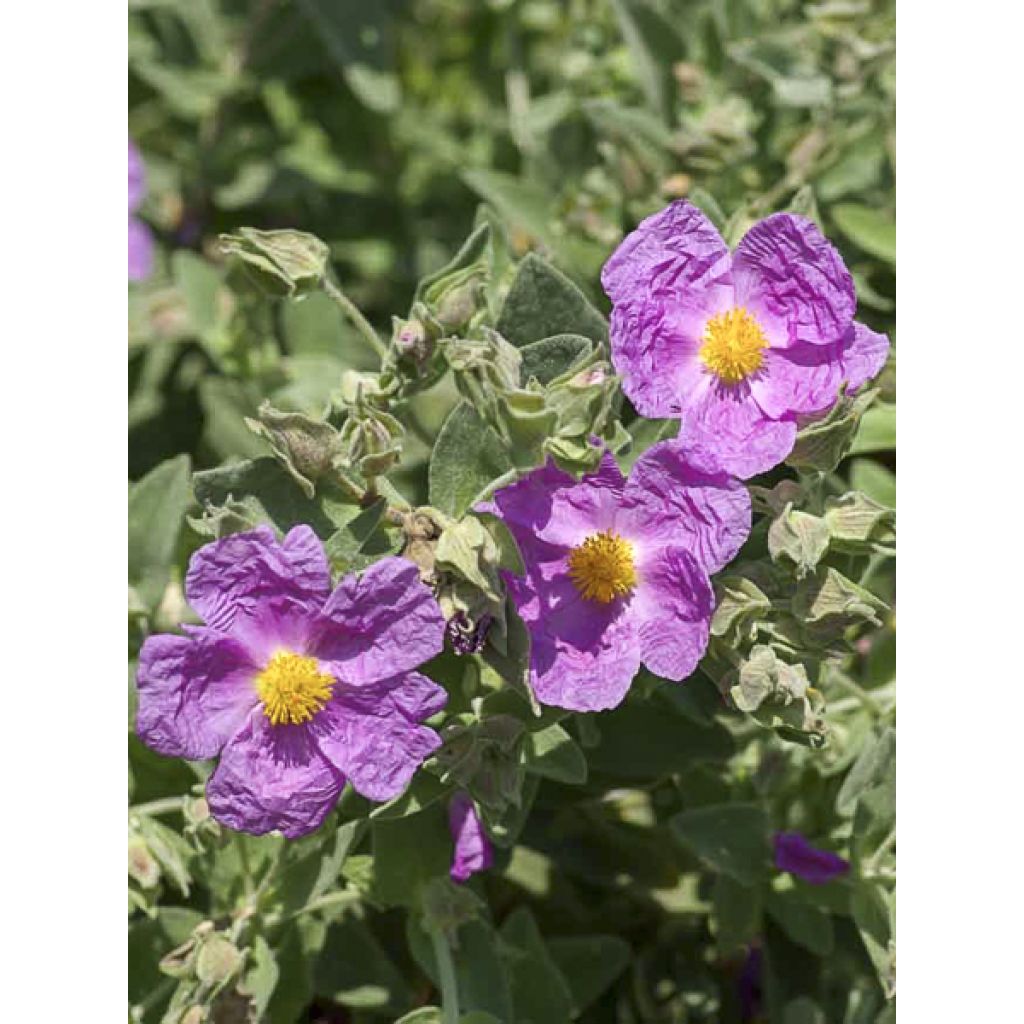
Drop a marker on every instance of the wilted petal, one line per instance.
(794, 854)
(473, 850)
(195, 691)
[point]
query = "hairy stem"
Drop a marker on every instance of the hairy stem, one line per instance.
(446, 969)
(361, 324)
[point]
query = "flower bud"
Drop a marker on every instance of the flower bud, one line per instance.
(370, 441)
(305, 447)
(142, 865)
(218, 960)
(283, 263)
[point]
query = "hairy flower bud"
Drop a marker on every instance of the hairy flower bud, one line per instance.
(370, 440)
(282, 263)
(305, 447)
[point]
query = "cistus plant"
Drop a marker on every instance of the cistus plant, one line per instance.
(511, 636)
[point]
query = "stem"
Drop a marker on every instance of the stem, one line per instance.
(163, 806)
(446, 968)
(243, 856)
(888, 843)
(361, 324)
(858, 691)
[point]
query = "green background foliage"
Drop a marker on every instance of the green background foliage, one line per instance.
(633, 868)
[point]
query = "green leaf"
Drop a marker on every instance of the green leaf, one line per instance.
(521, 204)
(877, 430)
(807, 925)
(655, 46)
(551, 357)
(471, 252)
(261, 976)
(312, 872)
(589, 963)
(353, 969)
(737, 914)
(543, 302)
(314, 326)
(226, 405)
(872, 230)
(261, 491)
(424, 790)
(149, 939)
(483, 983)
(468, 455)
(539, 992)
(397, 877)
(639, 740)
(876, 761)
(358, 37)
(552, 753)
(730, 838)
(874, 480)
(199, 284)
(156, 508)
(363, 539)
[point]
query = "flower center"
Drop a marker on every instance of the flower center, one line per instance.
(733, 342)
(602, 567)
(292, 688)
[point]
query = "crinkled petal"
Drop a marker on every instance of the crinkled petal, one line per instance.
(583, 654)
(140, 250)
(862, 355)
(473, 850)
(136, 177)
(671, 611)
(372, 732)
(548, 510)
(273, 777)
(655, 346)
(724, 428)
(234, 579)
(667, 500)
(786, 270)
(195, 692)
(800, 379)
(794, 854)
(379, 624)
(676, 251)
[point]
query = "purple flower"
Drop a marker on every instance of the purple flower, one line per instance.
(794, 854)
(140, 239)
(473, 851)
(617, 571)
(738, 345)
(297, 688)
(750, 985)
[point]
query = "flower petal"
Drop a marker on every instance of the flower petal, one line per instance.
(232, 578)
(379, 624)
(195, 692)
(671, 611)
(273, 777)
(675, 251)
(725, 429)
(473, 850)
(583, 654)
(372, 732)
(787, 271)
(669, 501)
(655, 345)
(140, 250)
(794, 854)
(801, 379)
(136, 177)
(863, 354)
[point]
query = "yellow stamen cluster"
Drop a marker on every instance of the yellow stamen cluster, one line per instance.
(292, 688)
(602, 567)
(733, 342)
